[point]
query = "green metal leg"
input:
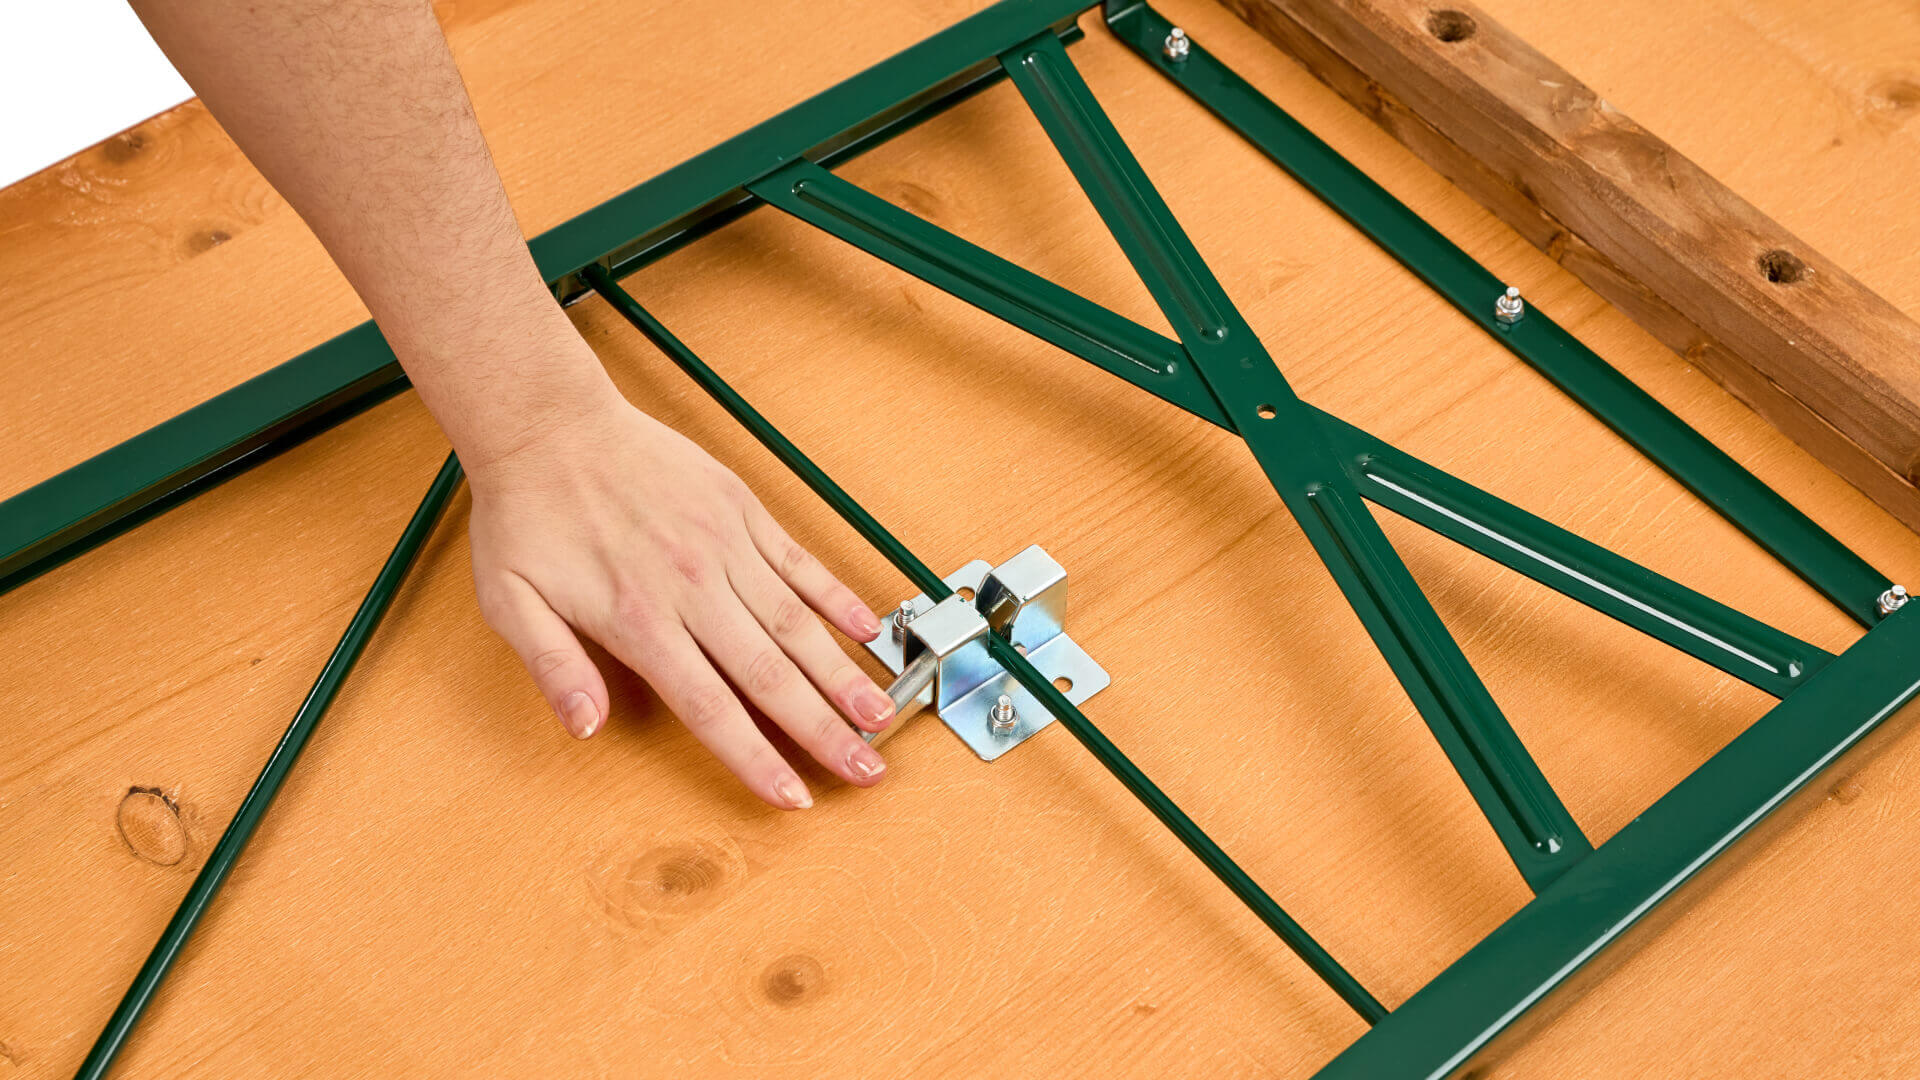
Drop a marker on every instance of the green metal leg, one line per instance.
(1650, 427)
(1250, 893)
(1539, 834)
(226, 853)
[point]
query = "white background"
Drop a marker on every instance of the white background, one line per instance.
(73, 72)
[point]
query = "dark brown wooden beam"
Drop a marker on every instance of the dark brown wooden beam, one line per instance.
(1783, 328)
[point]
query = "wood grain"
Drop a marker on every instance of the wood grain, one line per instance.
(449, 886)
(1783, 327)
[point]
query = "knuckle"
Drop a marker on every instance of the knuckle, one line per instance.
(793, 558)
(789, 616)
(686, 563)
(767, 671)
(545, 664)
(845, 680)
(707, 708)
(827, 728)
(492, 602)
(636, 615)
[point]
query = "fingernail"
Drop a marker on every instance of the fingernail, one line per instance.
(864, 620)
(873, 704)
(579, 713)
(865, 763)
(793, 793)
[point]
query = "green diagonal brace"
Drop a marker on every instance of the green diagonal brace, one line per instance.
(1533, 824)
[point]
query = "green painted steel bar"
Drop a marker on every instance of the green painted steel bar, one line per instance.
(1092, 332)
(167, 464)
(1285, 437)
(1746, 648)
(226, 853)
(177, 459)
(1739, 496)
(1110, 756)
(1447, 1027)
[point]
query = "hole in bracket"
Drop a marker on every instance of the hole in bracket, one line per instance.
(1062, 684)
(964, 593)
(1266, 412)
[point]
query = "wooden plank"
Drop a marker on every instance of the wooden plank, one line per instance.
(1783, 327)
(449, 885)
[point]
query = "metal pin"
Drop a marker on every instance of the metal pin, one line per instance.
(1893, 600)
(901, 618)
(1177, 45)
(1002, 716)
(1510, 307)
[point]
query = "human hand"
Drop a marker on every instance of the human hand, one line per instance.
(616, 526)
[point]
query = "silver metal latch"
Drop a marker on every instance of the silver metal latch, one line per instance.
(940, 652)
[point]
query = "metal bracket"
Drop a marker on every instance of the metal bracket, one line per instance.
(1023, 601)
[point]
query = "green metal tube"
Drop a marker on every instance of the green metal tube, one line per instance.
(226, 853)
(1686, 455)
(1533, 824)
(1176, 820)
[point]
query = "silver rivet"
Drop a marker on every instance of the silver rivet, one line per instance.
(1893, 600)
(1002, 716)
(1509, 307)
(901, 618)
(1177, 45)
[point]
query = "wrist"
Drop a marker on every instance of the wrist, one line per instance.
(535, 414)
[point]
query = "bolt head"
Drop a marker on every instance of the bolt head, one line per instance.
(1509, 307)
(1892, 600)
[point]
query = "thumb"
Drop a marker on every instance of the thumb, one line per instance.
(549, 649)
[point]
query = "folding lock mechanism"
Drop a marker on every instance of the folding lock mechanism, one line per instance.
(939, 652)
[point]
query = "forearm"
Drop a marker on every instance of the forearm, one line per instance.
(354, 111)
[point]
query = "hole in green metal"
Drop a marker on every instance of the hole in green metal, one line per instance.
(1266, 412)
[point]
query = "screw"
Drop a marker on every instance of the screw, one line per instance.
(1510, 307)
(1002, 716)
(1893, 600)
(901, 618)
(1177, 45)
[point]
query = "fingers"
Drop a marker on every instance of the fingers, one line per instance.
(813, 582)
(559, 666)
(674, 666)
(765, 673)
(795, 630)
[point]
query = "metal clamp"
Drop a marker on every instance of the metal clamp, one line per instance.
(942, 660)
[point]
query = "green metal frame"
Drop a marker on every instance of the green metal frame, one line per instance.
(1324, 470)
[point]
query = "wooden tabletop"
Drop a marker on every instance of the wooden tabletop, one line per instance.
(451, 886)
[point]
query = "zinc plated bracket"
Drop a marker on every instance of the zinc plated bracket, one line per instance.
(939, 651)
